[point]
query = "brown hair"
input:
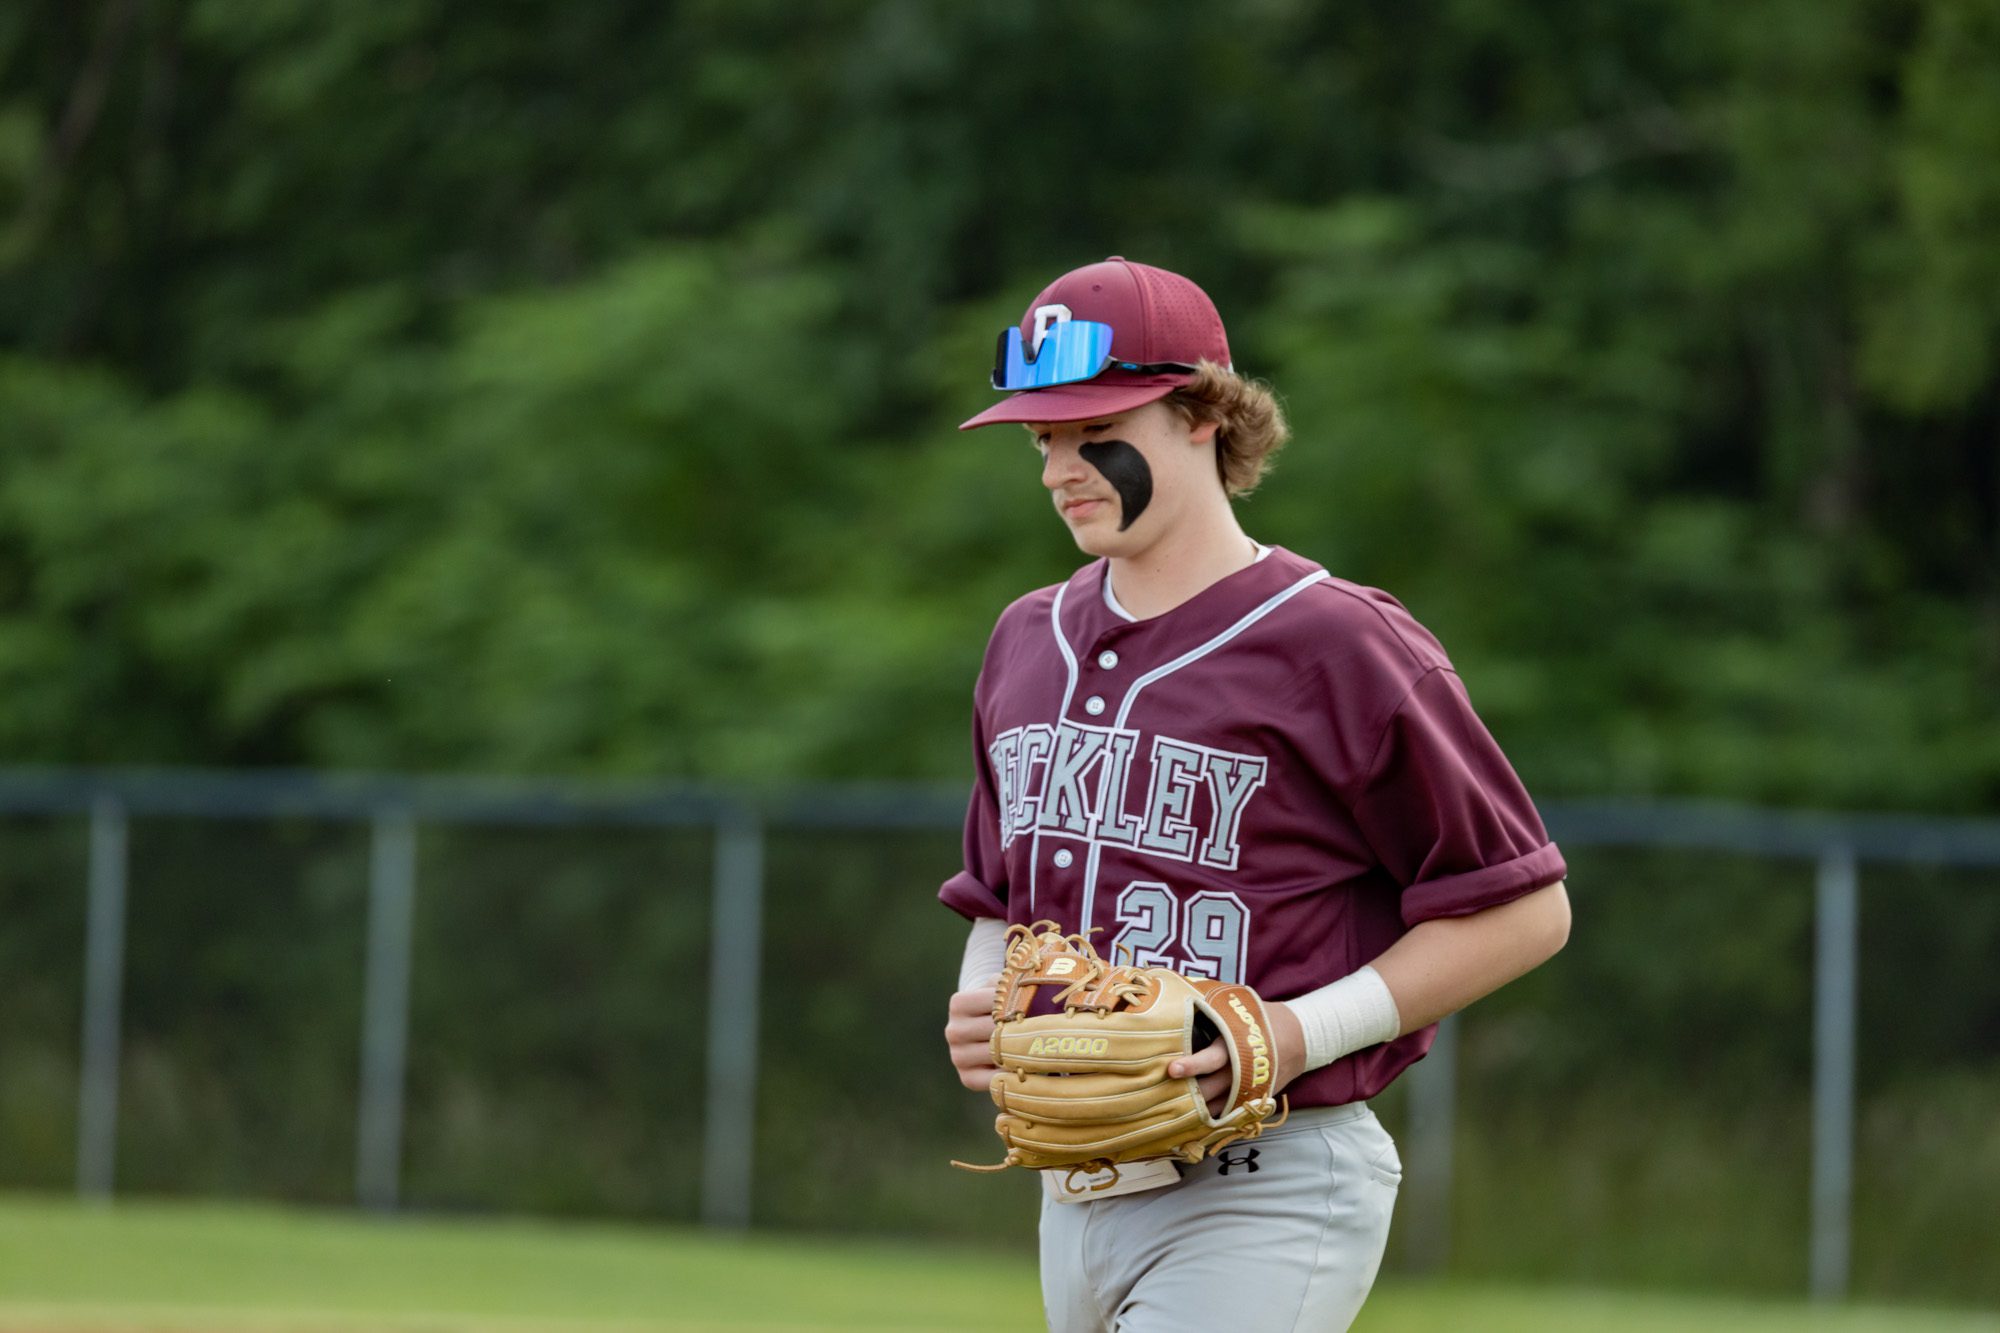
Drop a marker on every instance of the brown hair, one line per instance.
(1250, 426)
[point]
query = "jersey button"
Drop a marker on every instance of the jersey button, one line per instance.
(1063, 858)
(1094, 704)
(1107, 659)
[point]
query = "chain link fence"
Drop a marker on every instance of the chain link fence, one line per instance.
(1766, 1061)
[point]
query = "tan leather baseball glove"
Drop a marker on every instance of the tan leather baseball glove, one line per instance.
(1086, 1087)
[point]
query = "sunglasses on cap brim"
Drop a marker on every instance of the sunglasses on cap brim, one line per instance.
(1071, 351)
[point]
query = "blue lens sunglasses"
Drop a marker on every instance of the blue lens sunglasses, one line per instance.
(1072, 351)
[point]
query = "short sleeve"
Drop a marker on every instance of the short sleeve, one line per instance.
(980, 889)
(1445, 811)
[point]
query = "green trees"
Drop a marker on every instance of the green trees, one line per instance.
(443, 386)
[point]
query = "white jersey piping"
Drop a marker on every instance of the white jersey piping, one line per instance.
(1118, 607)
(1069, 692)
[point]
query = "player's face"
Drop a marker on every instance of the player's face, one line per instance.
(1120, 482)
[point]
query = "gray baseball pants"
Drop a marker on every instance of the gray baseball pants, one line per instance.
(1282, 1233)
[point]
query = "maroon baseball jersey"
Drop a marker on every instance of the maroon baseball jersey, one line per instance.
(1269, 783)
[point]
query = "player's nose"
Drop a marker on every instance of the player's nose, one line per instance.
(1062, 465)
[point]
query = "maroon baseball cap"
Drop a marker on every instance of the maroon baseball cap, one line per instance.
(1155, 316)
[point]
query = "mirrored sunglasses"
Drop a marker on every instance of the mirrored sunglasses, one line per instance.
(1072, 351)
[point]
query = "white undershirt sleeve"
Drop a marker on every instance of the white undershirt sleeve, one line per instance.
(1351, 1013)
(985, 951)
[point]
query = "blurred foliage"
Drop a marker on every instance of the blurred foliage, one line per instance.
(428, 385)
(423, 385)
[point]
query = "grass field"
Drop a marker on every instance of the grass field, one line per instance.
(158, 1267)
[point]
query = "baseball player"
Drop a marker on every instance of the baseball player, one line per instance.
(1223, 759)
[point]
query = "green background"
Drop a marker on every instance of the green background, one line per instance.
(416, 385)
(425, 385)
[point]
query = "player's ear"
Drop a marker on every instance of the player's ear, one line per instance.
(1203, 432)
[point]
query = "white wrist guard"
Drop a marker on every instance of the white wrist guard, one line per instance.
(985, 953)
(1342, 1018)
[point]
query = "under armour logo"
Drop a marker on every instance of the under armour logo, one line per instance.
(1246, 1159)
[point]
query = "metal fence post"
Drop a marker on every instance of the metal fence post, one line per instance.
(385, 1009)
(1835, 973)
(736, 947)
(1433, 1115)
(103, 992)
